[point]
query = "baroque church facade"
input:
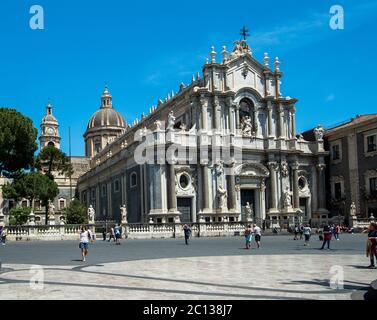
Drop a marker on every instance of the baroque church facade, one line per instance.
(236, 107)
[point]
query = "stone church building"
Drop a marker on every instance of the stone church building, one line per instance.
(223, 148)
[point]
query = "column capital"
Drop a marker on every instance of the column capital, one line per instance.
(321, 167)
(273, 166)
(281, 108)
(294, 165)
(203, 101)
(204, 162)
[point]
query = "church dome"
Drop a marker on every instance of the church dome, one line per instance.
(107, 116)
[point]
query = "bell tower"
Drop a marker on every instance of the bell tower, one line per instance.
(49, 130)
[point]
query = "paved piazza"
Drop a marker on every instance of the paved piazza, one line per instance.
(217, 268)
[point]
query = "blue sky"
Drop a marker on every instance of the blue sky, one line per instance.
(145, 49)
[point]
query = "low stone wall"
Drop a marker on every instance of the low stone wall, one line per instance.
(130, 231)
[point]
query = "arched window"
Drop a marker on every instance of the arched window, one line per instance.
(246, 109)
(133, 179)
(51, 144)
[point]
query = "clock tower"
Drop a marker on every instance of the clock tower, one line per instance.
(49, 130)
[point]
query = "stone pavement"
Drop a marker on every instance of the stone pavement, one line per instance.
(166, 269)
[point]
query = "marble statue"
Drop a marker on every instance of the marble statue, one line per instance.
(319, 133)
(123, 214)
(284, 169)
(91, 214)
(51, 213)
(171, 121)
(353, 210)
(222, 195)
(247, 127)
(287, 199)
(51, 210)
(249, 212)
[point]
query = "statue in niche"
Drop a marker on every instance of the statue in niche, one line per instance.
(284, 169)
(249, 212)
(287, 198)
(247, 126)
(353, 210)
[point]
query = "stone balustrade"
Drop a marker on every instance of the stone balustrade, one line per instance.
(131, 231)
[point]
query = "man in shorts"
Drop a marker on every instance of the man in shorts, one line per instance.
(257, 235)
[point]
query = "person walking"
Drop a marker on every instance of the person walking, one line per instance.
(3, 235)
(187, 232)
(257, 235)
(337, 231)
(111, 234)
(117, 234)
(84, 242)
(327, 236)
(371, 244)
(307, 231)
(301, 231)
(296, 231)
(248, 236)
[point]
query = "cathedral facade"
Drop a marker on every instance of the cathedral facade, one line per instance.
(224, 148)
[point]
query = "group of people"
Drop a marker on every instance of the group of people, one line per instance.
(86, 236)
(113, 233)
(303, 231)
(250, 232)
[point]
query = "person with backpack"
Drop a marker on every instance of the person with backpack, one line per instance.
(187, 232)
(327, 236)
(257, 235)
(117, 234)
(301, 231)
(248, 236)
(371, 244)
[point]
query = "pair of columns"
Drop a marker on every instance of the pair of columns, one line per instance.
(274, 167)
(231, 189)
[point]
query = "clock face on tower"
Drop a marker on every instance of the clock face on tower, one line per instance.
(50, 130)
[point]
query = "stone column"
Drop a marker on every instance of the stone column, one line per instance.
(270, 110)
(321, 187)
(232, 118)
(231, 183)
(273, 168)
(281, 121)
(172, 197)
(293, 122)
(204, 113)
(296, 195)
(109, 206)
(238, 125)
(217, 114)
(277, 79)
(205, 194)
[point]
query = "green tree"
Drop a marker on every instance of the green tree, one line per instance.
(51, 160)
(76, 213)
(34, 185)
(17, 142)
(19, 216)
